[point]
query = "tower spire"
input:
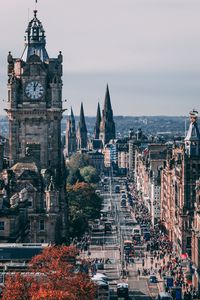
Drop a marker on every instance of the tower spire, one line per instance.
(107, 102)
(82, 130)
(71, 135)
(98, 122)
(82, 119)
(107, 127)
(36, 39)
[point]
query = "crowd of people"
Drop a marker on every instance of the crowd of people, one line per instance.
(161, 260)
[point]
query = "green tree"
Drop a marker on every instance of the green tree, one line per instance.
(84, 205)
(89, 174)
(76, 162)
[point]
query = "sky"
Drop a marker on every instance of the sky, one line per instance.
(148, 51)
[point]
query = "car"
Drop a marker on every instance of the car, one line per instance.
(123, 203)
(106, 188)
(117, 189)
(153, 279)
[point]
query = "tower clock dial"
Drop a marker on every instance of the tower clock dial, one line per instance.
(34, 90)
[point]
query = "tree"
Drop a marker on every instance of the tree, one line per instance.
(84, 205)
(51, 276)
(80, 169)
(90, 174)
(78, 161)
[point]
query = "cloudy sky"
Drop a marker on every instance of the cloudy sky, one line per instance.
(147, 50)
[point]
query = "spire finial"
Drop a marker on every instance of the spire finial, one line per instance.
(35, 13)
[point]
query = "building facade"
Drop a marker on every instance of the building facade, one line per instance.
(35, 182)
(179, 178)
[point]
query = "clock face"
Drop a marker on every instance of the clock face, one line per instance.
(34, 90)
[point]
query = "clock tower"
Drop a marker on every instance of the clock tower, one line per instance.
(35, 101)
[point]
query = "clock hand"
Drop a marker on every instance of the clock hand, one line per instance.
(35, 85)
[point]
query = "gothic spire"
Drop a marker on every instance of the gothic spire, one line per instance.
(82, 119)
(107, 128)
(82, 131)
(71, 146)
(98, 122)
(107, 102)
(73, 125)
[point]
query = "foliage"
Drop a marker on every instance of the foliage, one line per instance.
(78, 161)
(84, 204)
(89, 174)
(51, 276)
(80, 169)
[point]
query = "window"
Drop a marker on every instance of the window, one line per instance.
(1, 225)
(188, 245)
(41, 224)
(30, 202)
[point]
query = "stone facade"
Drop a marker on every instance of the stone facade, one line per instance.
(36, 176)
(35, 102)
(178, 195)
(1, 156)
(196, 240)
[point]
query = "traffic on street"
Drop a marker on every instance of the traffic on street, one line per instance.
(129, 258)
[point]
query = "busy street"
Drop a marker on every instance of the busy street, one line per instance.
(127, 253)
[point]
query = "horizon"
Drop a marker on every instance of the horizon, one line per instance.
(152, 65)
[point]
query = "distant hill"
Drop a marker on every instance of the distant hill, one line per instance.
(148, 124)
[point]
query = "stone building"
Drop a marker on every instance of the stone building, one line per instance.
(36, 175)
(35, 101)
(179, 188)
(135, 140)
(149, 162)
(96, 160)
(1, 156)
(196, 240)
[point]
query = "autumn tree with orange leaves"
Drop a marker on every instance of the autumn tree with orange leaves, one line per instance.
(51, 275)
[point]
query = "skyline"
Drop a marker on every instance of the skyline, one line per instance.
(150, 69)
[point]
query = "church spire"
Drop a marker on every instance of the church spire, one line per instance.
(82, 131)
(107, 102)
(82, 119)
(98, 122)
(71, 146)
(36, 39)
(107, 127)
(73, 125)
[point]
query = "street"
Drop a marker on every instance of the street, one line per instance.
(110, 246)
